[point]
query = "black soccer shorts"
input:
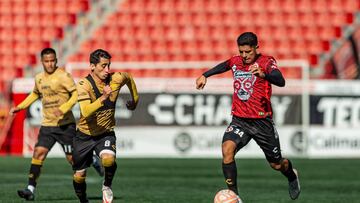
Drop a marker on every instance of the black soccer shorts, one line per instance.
(84, 145)
(64, 135)
(263, 131)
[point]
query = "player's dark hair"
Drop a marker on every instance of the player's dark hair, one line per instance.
(47, 51)
(247, 38)
(97, 54)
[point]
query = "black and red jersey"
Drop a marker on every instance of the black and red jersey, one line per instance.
(251, 96)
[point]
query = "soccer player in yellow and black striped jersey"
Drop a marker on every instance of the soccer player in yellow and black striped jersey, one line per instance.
(98, 93)
(57, 91)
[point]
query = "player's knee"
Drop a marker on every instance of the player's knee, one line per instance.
(78, 179)
(108, 161)
(276, 166)
(40, 153)
(69, 159)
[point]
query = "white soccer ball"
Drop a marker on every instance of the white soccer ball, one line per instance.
(227, 196)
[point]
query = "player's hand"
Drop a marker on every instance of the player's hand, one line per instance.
(200, 82)
(131, 105)
(256, 70)
(58, 113)
(13, 110)
(106, 92)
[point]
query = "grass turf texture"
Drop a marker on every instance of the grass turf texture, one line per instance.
(187, 181)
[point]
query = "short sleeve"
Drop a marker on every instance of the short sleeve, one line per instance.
(36, 89)
(271, 65)
(83, 90)
(68, 82)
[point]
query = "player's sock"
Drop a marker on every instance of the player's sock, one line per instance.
(230, 174)
(289, 173)
(80, 188)
(35, 170)
(31, 188)
(109, 174)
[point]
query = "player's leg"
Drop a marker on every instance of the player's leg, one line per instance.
(79, 185)
(42, 147)
(106, 149)
(285, 167)
(82, 158)
(234, 139)
(64, 135)
(268, 139)
(98, 165)
(110, 166)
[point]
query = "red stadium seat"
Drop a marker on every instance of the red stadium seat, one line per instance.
(47, 20)
(60, 7)
(19, 20)
(33, 20)
(6, 20)
(32, 7)
(5, 7)
(19, 7)
(6, 34)
(46, 7)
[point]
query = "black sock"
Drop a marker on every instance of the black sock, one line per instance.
(230, 174)
(289, 173)
(80, 190)
(109, 174)
(34, 174)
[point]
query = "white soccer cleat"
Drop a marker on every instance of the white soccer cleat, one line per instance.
(107, 194)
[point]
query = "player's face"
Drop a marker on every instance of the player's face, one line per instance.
(49, 63)
(102, 69)
(248, 53)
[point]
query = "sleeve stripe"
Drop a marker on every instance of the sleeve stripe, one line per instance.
(83, 99)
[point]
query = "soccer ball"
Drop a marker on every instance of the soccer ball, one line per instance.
(226, 196)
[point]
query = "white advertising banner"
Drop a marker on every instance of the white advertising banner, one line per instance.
(179, 142)
(193, 142)
(330, 142)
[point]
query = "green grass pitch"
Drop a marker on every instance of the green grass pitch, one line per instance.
(187, 181)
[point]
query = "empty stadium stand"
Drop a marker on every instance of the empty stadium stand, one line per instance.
(27, 26)
(170, 30)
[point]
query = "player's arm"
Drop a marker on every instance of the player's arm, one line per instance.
(31, 98)
(275, 77)
(69, 85)
(271, 73)
(218, 69)
(130, 83)
(87, 108)
(65, 107)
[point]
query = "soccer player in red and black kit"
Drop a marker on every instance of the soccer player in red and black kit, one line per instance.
(253, 75)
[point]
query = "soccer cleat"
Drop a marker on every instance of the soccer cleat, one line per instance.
(107, 194)
(26, 194)
(294, 187)
(97, 165)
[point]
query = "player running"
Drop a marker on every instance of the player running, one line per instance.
(98, 93)
(253, 75)
(57, 91)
